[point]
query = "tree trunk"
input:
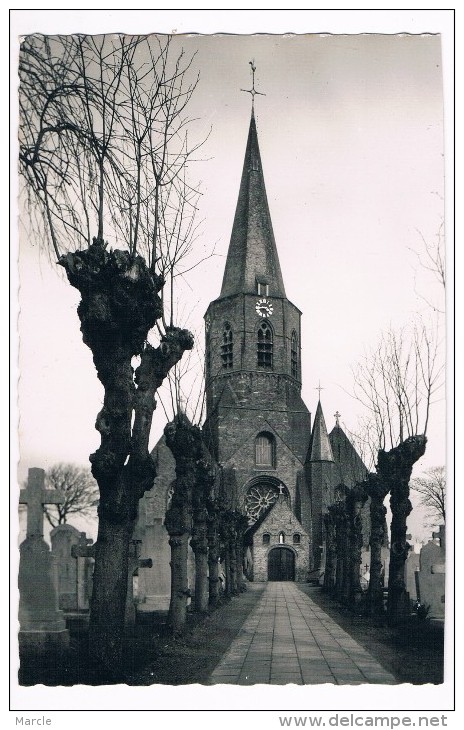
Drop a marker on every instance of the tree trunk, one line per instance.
(356, 499)
(233, 568)
(340, 541)
(202, 493)
(119, 305)
(227, 570)
(377, 540)
(201, 581)
(179, 583)
(184, 440)
(107, 605)
(240, 525)
(213, 554)
(346, 588)
(199, 543)
(396, 467)
(331, 552)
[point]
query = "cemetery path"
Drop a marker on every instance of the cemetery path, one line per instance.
(289, 639)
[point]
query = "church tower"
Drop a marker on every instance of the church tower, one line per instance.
(257, 426)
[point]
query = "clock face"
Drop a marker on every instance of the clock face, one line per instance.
(264, 307)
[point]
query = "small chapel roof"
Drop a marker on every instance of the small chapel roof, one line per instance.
(350, 466)
(320, 448)
(252, 256)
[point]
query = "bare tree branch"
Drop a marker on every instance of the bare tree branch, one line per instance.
(432, 489)
(80, 492)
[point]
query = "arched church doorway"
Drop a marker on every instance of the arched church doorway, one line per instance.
(281, 564)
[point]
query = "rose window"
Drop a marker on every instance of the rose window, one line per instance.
(260, 497)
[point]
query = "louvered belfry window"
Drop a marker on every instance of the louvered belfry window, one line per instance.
(294, 355)
(264, 450)
(264, 346)
(227, 347)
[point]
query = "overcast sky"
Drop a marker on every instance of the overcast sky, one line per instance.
(351, 139)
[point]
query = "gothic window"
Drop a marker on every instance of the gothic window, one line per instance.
(294, 355)
(296, 538)
(266, 539)
(264, 346)
(227, 347)
(281, 537)
(265, 450)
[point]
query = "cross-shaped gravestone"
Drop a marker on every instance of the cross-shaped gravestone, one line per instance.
(440, 535)
(135, 562)
(42, 625)
(84, 548)
(35, 496)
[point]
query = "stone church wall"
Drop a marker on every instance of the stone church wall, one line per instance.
(280, 519)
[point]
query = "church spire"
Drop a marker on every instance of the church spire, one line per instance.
(252, 257)
(320, 449)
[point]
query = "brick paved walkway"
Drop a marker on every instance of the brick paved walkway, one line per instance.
(289, 639)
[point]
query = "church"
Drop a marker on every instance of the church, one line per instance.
(280, 467)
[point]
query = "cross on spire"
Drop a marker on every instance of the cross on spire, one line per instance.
(253, 91)
(319, 388)
(337, 416)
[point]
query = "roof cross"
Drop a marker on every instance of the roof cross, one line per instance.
(337, 416)
(253, 91)
(319, 388)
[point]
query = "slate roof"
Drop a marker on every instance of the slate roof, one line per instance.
(252, 254)
(320, 448)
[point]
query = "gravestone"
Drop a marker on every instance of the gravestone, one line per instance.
(74, 572)
(63, 537)
(83, 553)
(42, 624)
(410, 568)
(440, 536)
(385, 558)
(431, 579)
(154, 585)
(135, 562)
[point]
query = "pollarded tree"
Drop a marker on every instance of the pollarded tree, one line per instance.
(192, 513)
(397, 383)
(103, 162)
